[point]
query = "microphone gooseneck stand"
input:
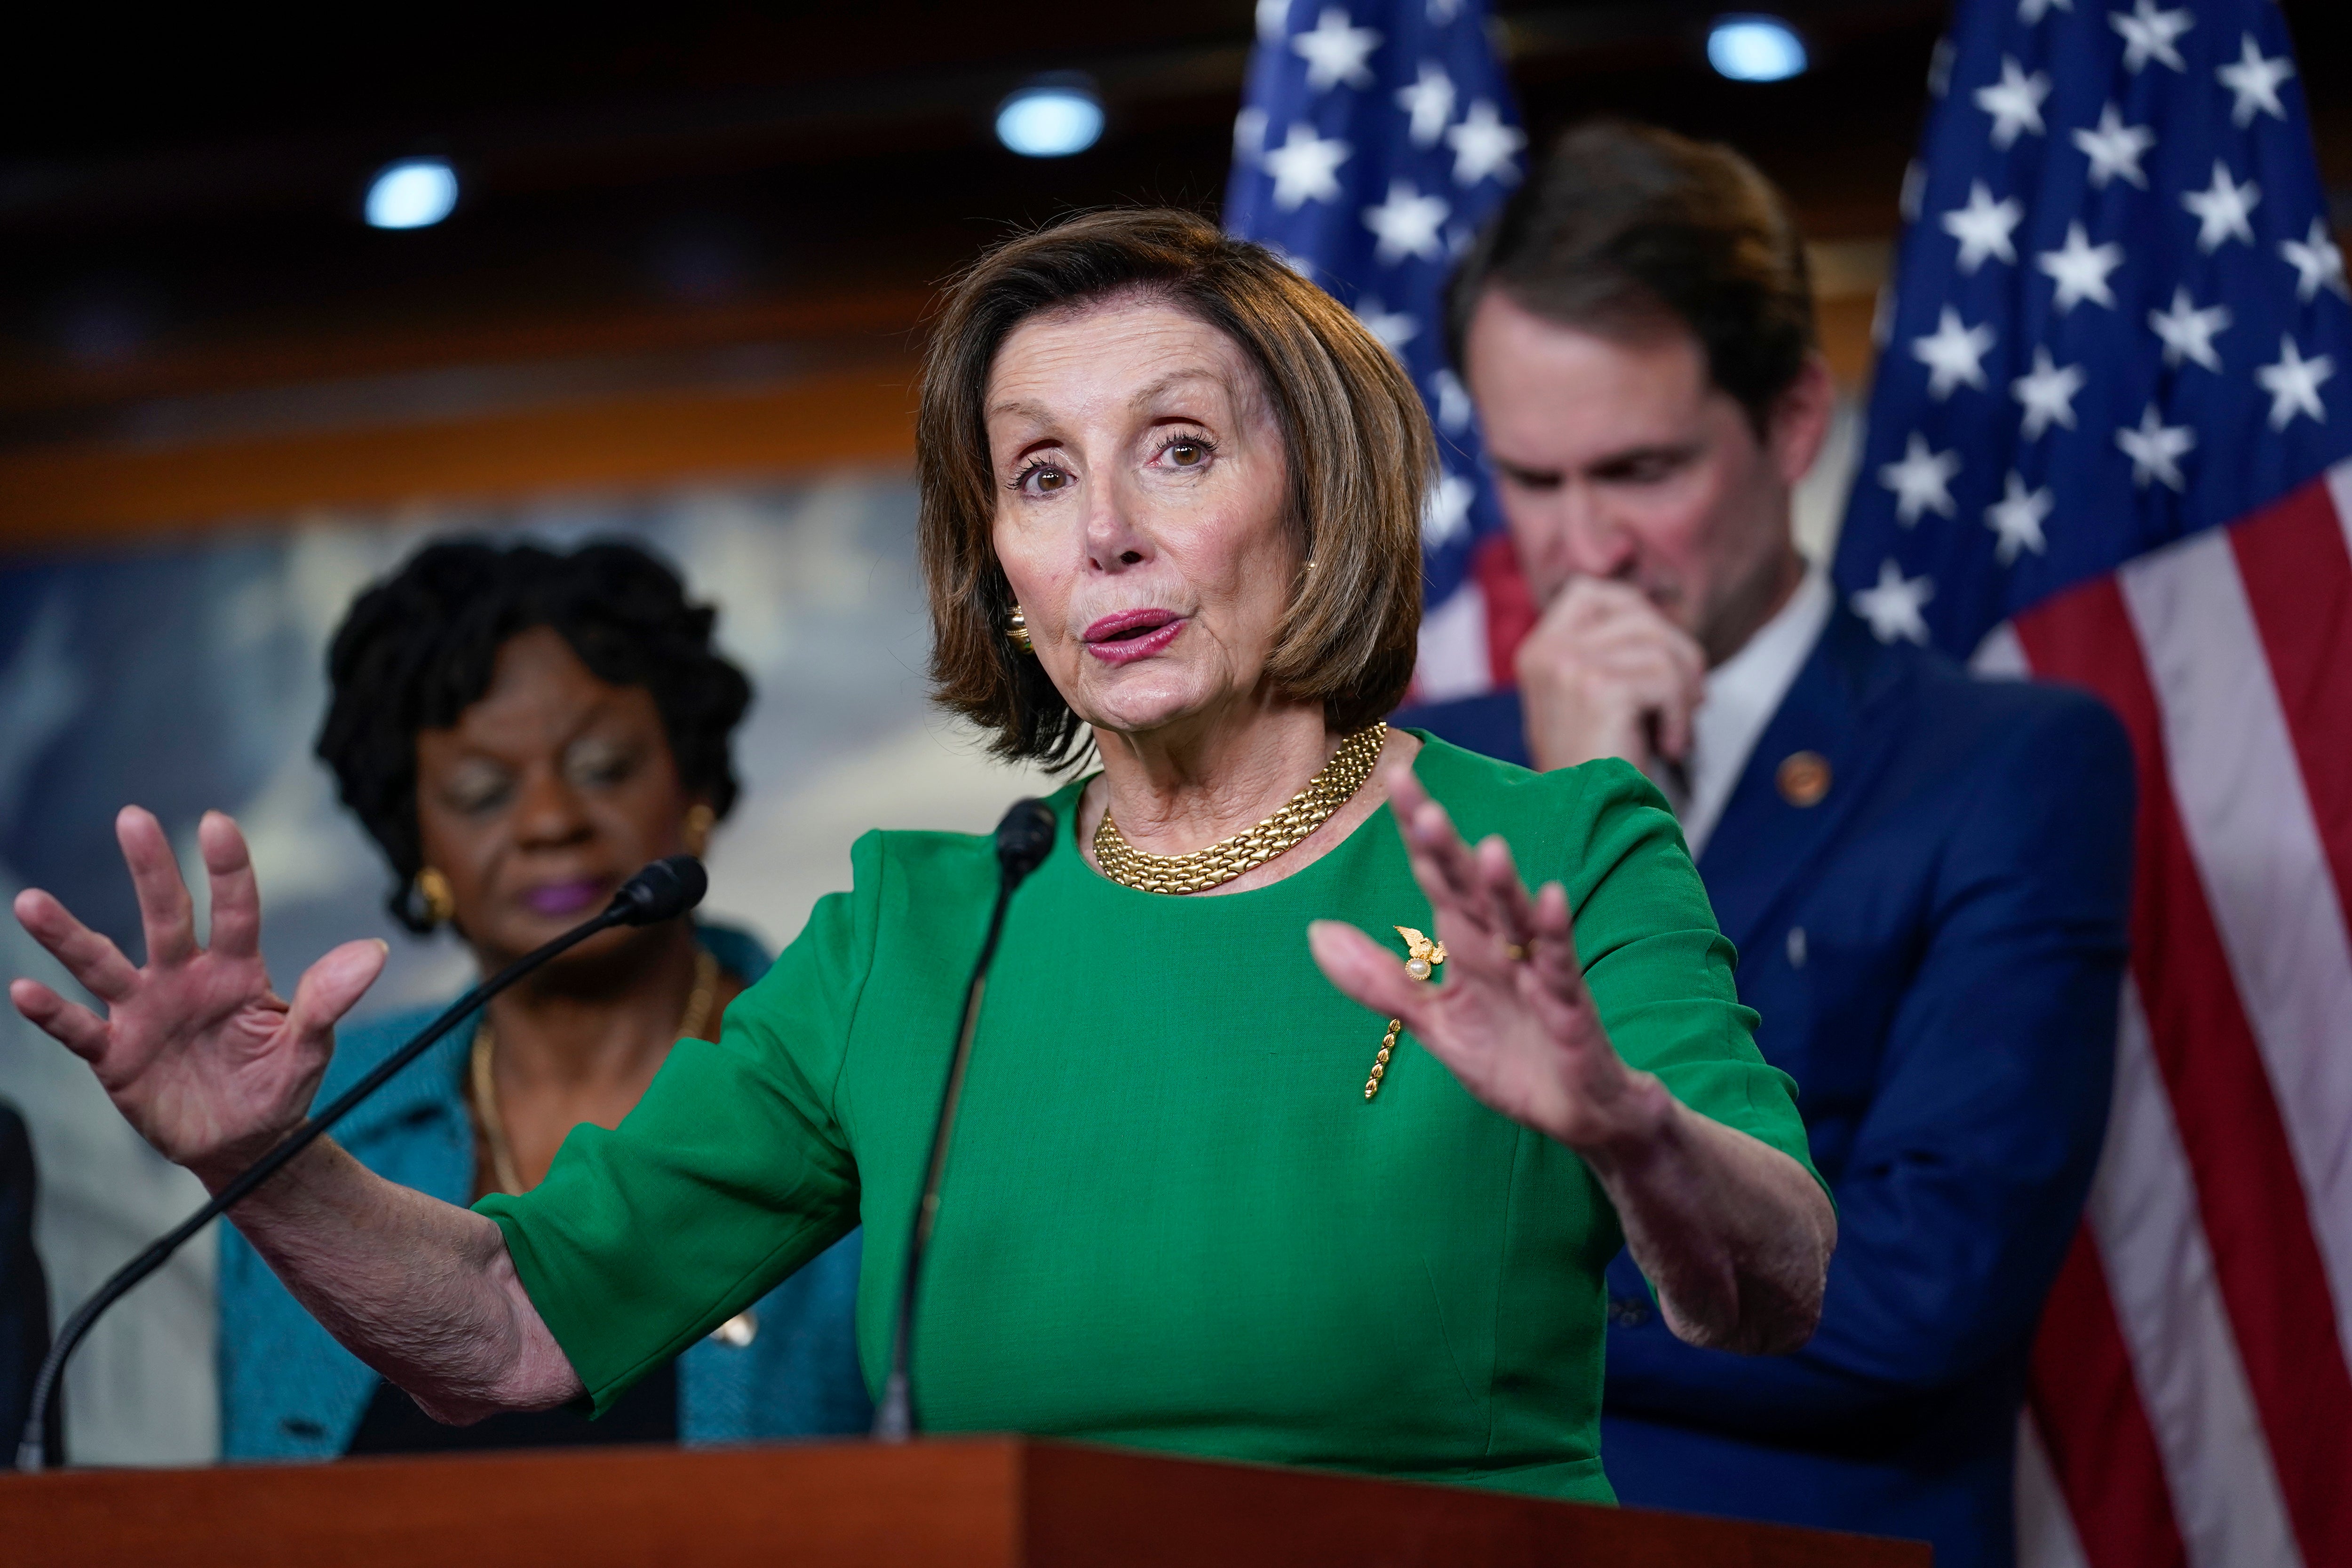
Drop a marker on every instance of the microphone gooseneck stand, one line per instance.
(663, 891)
(1022, 841)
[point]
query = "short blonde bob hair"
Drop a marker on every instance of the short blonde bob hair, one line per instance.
(1359, 452)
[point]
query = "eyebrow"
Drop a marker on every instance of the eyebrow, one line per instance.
(1022, 406)
(1172, 380)
(1624, 456)
(1652, 451)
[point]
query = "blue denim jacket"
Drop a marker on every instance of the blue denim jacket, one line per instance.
(290, 1391)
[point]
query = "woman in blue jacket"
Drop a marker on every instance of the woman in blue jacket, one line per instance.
(519, 731)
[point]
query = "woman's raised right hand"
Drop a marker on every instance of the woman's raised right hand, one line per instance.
(197, 1050)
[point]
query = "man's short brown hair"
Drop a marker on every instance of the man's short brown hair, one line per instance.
(1359, 452)
(1625, 227)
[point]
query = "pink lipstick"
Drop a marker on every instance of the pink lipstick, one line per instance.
(1131, 635)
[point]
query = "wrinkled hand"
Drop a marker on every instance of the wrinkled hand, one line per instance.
(1522, 1035)
(1606, 674)
(197, 1050)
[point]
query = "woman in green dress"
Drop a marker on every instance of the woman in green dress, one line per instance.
(1296, 1128)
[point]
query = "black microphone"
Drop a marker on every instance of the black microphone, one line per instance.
(663, 891)
(1024, 840)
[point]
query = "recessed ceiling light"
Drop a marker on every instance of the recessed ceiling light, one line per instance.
(1050, 120)
(415, 193)
(1756, 48)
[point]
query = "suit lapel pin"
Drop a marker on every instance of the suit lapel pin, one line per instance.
(1803, 778)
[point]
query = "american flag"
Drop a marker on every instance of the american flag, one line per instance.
(2108, 445)
(1374, 139)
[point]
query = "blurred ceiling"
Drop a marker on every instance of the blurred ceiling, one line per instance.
(702, 195)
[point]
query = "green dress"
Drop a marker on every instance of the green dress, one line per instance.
(1171, 1219)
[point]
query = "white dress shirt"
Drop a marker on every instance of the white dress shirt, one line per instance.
(1743, 692)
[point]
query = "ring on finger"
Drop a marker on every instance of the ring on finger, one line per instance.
(1518, 951)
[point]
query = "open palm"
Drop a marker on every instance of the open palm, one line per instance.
(1513, 1020)
(197, 1050)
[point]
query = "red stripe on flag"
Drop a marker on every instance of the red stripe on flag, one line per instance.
(2298, 577)
(1511, 608)
(2087, 1406)
(2250, 1198)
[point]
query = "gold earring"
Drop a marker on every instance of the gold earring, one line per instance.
(699, 820)
(440, 900)
(1017, 628)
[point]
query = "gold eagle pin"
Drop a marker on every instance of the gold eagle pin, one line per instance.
(1423, 954)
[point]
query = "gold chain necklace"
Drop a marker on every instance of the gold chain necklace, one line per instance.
(1332, 787)
(486, 1083)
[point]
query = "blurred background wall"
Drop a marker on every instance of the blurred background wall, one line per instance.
(679, 298)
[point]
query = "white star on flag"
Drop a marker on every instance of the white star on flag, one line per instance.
(2081, 269)
(1892, 607)
(1249, 135)
(2293, 384)
(1306, 167)
(1922, 480)
(1273, 20)
(2155, 449)
(2149, 34)
(2017, 517)
(2116, 149)
(2014, 102)
(1441, 12)
(1336, 51)
(1983, 227)
(2317, 262)
(1429, 101)
(1393, 327)
(2187, 331)
(1954, 354)
(2047, 392)
(1453, 408)
(2031, 10)
(1446, 510)
(1407, 224)
(1939, 67)
(2222, 209)
(1484, 145)
(2254, 82)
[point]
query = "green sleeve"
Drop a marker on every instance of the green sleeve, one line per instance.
(1660, 970)
(731, 1172)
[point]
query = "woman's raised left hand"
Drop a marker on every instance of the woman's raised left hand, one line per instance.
(1512, 1019)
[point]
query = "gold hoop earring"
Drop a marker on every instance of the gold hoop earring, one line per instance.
(699, 820)
(439, 900)
(1017, 629)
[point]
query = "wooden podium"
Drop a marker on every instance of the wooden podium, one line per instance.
(985, 1502)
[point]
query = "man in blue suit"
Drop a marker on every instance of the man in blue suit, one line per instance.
(1927, 875)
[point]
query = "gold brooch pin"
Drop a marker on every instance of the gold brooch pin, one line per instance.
(1421, 958)
(1423, 954)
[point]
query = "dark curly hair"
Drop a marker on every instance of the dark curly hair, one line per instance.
(417, 649)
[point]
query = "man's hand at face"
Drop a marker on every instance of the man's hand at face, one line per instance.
(1606, 674)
